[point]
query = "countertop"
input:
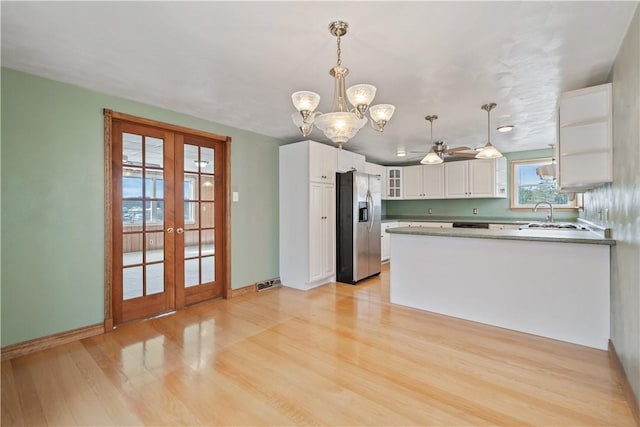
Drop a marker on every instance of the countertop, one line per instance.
(434, 218)
(559, 236)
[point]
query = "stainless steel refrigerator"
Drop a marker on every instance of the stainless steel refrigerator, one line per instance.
(357, 226)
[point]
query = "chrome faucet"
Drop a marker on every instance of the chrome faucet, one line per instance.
(550, 217)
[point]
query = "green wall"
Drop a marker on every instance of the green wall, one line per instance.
(487, 208)
(52, 243)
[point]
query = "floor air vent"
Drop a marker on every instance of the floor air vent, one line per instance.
(268, 284)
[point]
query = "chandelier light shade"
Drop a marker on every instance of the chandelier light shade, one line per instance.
(432, 158)
(343, 123)
(488, 151)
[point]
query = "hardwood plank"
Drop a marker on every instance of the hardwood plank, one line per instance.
(335, 355)
(11, 411)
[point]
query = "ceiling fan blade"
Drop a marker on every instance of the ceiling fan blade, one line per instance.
(454, 149)
(469, 155)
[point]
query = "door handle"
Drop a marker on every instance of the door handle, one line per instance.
(179, 230)
(170, 230)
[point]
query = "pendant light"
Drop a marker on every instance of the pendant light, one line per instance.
(488, 151)
(432, 158)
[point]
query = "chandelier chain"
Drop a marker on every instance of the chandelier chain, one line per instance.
(339, 52)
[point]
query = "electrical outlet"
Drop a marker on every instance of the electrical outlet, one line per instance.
(430, 211)
(475, 211)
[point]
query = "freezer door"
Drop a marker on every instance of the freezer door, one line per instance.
(361, 217)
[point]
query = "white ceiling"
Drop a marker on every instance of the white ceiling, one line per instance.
(237, 63)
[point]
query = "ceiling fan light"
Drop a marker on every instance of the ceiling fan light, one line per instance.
(431, 158)
(505, 128)
(488, 152)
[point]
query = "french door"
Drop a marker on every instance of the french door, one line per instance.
(168, 209)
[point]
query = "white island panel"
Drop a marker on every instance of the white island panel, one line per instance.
(555, 290)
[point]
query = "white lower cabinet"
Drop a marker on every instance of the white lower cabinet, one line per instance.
(321, 230)
(385, 245)
(307, 216)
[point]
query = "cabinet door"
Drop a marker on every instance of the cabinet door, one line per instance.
(358, 162)
(316, 231)
(481, 178)
(329, 227)
(322, 162)
(394, 183)
(433, 181)
(385, 246)
(412, 182)
(456, 179)
(350, 161)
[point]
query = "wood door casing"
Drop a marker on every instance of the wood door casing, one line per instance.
(113, 125)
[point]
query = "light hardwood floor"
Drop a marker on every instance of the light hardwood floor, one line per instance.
(336, 355)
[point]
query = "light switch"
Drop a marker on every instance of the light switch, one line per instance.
(236, 196)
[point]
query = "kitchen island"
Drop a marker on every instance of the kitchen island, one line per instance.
(549, 283)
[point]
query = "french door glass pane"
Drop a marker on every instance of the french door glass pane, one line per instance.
(131, 183)
(132, 215)
(131, 149)
(191, 244)
(191, 272)
(155, 246)
(191, 161)
(154, 152)
(131, 282)
(207, 219)
(155, 278)
(207, 242)
(132, 249)
(207, 187)
(208, 269)
(154, 215)
(191, 186)
(191, 215)
(206, 160)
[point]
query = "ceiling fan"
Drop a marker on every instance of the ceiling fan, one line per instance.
(439, 149)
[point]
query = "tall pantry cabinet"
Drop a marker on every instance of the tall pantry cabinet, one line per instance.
(307, 214)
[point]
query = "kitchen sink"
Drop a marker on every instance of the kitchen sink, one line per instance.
(553, 226)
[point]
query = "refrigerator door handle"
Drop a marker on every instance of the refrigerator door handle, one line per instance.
(371, 210)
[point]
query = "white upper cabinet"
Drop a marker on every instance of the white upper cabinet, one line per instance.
(423, 182)
(477, 178)
(322, 162)
(394, 183)
(381, 171)
(349, 161)
(456, 179)
(584, 146)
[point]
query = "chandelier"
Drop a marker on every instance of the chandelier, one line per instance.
(343, 123)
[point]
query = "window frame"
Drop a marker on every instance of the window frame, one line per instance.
(514, 192)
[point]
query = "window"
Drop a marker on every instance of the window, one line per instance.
(531, 183)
